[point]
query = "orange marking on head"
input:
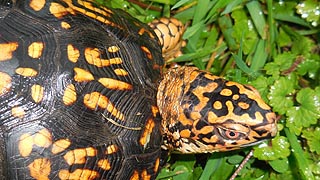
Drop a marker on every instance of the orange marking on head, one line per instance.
(78, 174)
(60, 145)
(104, 164)
(235, 97)
(35, 49)
(226, 92)
(25, 144)
(92, 56)
(40, 169)
(252, 93)
(37, 5)
(259, 116)
(184, 120)
(37, 93)
(185, 133)
(212, 117)
(95, 99)
(115, 84)
(65, 25)
(120, 72)
(205, 130)
(5, 83)
(230, 107)
(43, 138)
(82, 75)
(69, 95)
(26, 72)
(147, 51)
(212, 139)
(244, 105)
(7, 50)
(217, 105)
(111, 149)
(18, 112)
(144, 139)
(73, 53)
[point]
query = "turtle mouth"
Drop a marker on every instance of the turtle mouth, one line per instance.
(253, 143)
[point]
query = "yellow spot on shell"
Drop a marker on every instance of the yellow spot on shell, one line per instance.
(40, 169)
(60, 146)
(43, 138)
(95, 99)
(81, 174)
(5, 83)
(104, 164)
(70, 95)
(78, 156)
(111, 149)
(35, 49)
(156, 165)
(147, 51)
(65, 25)
(27, 72)
(94, 15)
(115, 84)
(92, 56)
(58, 10)
(25, 144)
(135, 176)
(18, 112)
(145, 175)
(37, 5)
(120, 72)
(37, 93)
(7, 50)
(154, 110)
(147, 132)
(73, 53)
(113, 49)
(82, 75)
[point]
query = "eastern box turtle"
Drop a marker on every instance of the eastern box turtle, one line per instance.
(83, 96)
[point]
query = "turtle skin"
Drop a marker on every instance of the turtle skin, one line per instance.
(76, 92)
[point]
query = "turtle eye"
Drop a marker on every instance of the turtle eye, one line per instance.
(230, 134)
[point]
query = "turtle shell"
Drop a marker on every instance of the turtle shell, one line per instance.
(78, 92)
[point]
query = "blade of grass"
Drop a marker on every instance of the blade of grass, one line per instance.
(258, 19)
(260, 56)
(298, 153)
(272, 31)
(226, 26)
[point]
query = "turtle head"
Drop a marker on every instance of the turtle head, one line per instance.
(205, 113)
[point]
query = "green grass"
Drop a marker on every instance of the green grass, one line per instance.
(272, 45)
